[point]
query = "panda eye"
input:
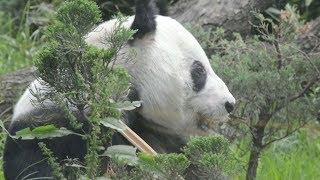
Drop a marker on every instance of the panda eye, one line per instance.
(198, 75)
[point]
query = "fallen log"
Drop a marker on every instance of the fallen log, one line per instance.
(12, 86)
(233, 16)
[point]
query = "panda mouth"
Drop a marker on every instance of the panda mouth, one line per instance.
(206, 123)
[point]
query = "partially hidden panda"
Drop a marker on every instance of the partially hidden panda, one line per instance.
(171, 75)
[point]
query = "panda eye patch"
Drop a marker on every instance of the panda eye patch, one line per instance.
(198, 75)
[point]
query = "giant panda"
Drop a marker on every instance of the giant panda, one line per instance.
(181, 95)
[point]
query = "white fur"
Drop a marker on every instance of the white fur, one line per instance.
(27, 101)
(161, 73)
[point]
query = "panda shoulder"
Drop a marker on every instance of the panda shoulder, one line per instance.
(25, 104)
(97, 37)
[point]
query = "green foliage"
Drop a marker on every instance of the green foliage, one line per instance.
(145, 166)
(113, 123)
(205, 157)
(81, 15)
(82, 76)
(268, 74)
(42, 132)
(272, 79)
(164, 166)
(126, 154)
(212, 156)
(16, 47)
(62, 62)
(173, 165)
(275, 83)
(52, 161)
(81, 73)
(198, 146)
(310, 9)
(21, 32)
(92, 159)
(294, 158)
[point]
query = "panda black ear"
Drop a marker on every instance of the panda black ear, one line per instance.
(144, 21)
(162, 6)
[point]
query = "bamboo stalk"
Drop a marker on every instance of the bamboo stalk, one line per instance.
(137, 141)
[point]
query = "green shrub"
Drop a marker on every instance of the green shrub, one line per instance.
(81, 76)
(273, 80)
(211, 157)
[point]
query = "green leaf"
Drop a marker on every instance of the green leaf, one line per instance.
(42, 132)
(24, 134)
(113, 123)
(124, 153)
(44, 129)
(273, 10)
(127, 105)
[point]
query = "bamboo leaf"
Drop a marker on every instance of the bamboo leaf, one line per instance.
(123, 152)
(42, 132)
(128, 106)
(113, 123)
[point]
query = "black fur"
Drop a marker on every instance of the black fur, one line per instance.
(144, 21)
(163, 7)
(133, 94)
(229, 107)
(198, 75)
(150, 132)
(23, 158)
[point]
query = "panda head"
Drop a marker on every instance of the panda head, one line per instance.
(180, 92)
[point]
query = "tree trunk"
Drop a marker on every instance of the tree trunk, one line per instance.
(254, 159)
(257, 132)
(233, 16)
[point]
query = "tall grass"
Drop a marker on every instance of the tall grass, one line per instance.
(17, 43)
(297, 157)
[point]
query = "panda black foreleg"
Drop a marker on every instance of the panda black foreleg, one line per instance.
(24, 159)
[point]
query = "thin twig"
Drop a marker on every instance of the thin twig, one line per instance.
(279, 54)
(308, 58)
(5, 111)
(304, 90)
(240, 119)
(286, 135)
(298, 95)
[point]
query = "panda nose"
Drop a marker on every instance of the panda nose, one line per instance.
(229, 106)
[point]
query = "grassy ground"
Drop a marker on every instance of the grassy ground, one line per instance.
(294, 158)
(297, 157)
